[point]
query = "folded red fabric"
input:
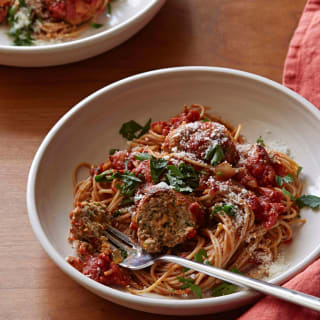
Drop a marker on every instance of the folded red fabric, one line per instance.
(302, 65)
(270, 308)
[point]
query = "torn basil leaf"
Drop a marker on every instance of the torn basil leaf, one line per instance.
(132, 130)
(157, 168)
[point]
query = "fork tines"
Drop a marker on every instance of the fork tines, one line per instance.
(114, 235)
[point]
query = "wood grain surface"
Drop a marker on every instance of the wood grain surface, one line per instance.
(250, 35)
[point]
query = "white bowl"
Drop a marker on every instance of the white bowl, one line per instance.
(90, 129)
(128, 17)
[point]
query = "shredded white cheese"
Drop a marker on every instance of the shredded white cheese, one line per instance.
(22, 18)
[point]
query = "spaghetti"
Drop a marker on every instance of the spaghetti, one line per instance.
(190, 187)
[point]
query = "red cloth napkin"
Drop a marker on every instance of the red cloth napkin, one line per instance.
(302, 66)
(301, 74)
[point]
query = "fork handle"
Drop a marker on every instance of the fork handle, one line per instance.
(292, 296)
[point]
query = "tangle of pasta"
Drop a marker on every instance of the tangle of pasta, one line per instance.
(230, 194)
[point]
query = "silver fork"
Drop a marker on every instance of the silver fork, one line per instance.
(139, 259)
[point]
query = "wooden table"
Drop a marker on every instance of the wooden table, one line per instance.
(251, 35)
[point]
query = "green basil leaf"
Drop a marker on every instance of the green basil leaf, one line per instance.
(113, 151)
(210, 152)
(226, 288)
(223, 289)
(229, 209)
(200, 255)
(218, 156)
(299, 171)
(215, 154)
(126, 201)
(288, 194)
(117, 213)
(157, 168)
(142, 156)
(124, 253)
(308, 201)
(235, 270)
(102, 176)
(130, 181)
(129, 129)
(96, 25)
(196, 289)
(260, 141)
(133, 130)
(145, 128)
(183, 179)
(188, 283)
(286, 179)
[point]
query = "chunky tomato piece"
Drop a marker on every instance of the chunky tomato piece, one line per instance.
(134, 225)
(4, 7)
(271, 213)
(267, 206)
(57, 9)
(280, 169)
(260, 166)
(271, 194)
(191, 234)
(75, 11)
(119, 160)
(197, 212)
(254, 204)
(193, 115)
(161, 127)
(246, 179)
(100, 268)
(185, 116)
(144, 169)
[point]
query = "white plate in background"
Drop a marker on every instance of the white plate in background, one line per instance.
(127, 18)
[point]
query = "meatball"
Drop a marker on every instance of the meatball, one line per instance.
(4, 7)
(197, 140)
(75, 11)
(165, 219)
(88, 221)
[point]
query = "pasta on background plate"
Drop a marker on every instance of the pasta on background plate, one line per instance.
(49, 20)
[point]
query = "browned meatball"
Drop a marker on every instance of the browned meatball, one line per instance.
(88, 221)
(4, 7)
(197, 139)
(164, 220)
(75, 11)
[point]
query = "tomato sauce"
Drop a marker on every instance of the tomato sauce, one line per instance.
(197, 212)
(163, 128)
(260, 166)
(267, 206)
(119, 160)
(144, 169)
(100, 268)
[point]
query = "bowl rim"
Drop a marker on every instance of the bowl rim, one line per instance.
(127, 297)
(89, 40)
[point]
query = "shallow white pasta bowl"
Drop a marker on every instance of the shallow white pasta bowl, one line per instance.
(284, 119)
(127, 18)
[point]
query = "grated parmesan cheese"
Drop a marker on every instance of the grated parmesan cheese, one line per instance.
(22, 18)
(277, 145)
